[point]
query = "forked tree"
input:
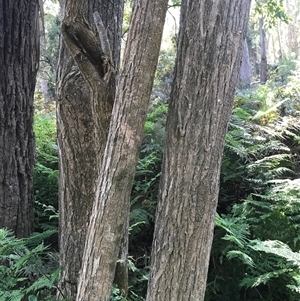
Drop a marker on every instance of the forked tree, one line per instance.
(86, 82)
(209, 55)
(111, 207)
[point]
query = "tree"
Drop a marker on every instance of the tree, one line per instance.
(86, 81)
(246, 72)
(293, 30)
(19, 57)
(263, 75)
(49, 53)
(270, 12)
(209, 55)
(111, 207)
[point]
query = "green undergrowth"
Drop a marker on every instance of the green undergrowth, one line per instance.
(255, 254)
(46, 173)
(28, 269)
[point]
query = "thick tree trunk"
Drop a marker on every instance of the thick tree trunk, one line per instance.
(19, 57)
(85, 99)
(111, 209)
(207, 69)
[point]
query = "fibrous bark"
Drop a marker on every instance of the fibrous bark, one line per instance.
(207, 69)
(85, 95)
(19, 57)
(111, 208)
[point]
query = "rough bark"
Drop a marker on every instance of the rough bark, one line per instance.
(207, 69)
(111, 208)
(121, 272)
(85, 95)
(19, 56)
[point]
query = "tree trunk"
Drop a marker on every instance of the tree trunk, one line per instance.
(85, 91)
(121, 272)
(111, 208)
(19, 57)
(293, 41)
(246, 72)
(263, 52)
(280, 51)
(207, 70)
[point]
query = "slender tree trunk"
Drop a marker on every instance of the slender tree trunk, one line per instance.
(263, 52)
(246, 72)
(280, 51)
(111, 208)
(19, 57)
(85, 91)
(207, 70)
(293, 34)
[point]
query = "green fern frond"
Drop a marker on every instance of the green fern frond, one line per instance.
(294, 288)
(45, 281)
(27, 266)
(245, 258)
(37, 238)
(272, 159)
(259, 204)
(235, 232)
(15, 295)
(277, 248)
(26, 255)
(262, 279)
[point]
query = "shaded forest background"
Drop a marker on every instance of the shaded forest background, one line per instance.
(255, 254)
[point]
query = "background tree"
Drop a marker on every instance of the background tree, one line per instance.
(49, 54)
(263, 75)
(85, 91)
(207, 68)
(268, 14)
(19, 57)
(111, 208)
(245, 72)
(293, 36)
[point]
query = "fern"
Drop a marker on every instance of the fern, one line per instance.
(278, 248)
(250, 234)
(236, 231)
(14, 295)
(45, 172)
(245, 258)
(255, 253)
(28, 267)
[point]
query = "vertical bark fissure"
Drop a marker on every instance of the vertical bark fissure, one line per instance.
(19, 48)
(111, 209)
(83, 116)
(205, 76)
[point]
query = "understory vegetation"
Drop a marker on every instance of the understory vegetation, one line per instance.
(255, 254)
